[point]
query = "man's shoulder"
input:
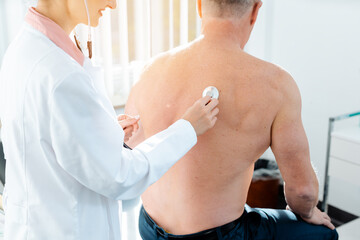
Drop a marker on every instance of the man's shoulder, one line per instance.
(272, 72)
(269, 68)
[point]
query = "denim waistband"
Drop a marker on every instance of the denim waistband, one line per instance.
(210, 234)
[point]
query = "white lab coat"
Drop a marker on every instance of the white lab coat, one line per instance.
(66, 167)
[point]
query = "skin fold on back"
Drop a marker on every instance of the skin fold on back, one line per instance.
(208, 187)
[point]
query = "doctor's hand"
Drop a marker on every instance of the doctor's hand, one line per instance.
(129, 124)
(202, 115)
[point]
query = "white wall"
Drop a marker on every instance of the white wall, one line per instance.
(318, 42)
(11, 11)
(3, 30)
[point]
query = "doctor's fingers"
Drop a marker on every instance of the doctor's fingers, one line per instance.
(121, 117)
(128, 122)
(128, 133)
(214, 113)
(213, 121)
(136, 126)
(204, 100)
(212, 104)
(125, 116)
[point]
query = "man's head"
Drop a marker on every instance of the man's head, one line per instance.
(226, 8)
(242, 14)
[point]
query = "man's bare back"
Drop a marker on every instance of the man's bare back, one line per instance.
(260, 106)
(209, 186)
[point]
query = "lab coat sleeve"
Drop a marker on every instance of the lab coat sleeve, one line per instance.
(88, 143)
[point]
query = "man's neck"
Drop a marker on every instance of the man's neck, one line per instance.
(57, 14)
(226, 32)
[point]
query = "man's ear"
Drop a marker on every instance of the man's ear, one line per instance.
(255, 12)
(199, 8)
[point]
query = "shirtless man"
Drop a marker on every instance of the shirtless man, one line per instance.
(204, 195)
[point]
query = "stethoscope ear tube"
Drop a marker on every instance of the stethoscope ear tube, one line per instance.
(88, 17)
(89, 42)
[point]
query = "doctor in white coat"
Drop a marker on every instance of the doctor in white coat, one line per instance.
(66, 165)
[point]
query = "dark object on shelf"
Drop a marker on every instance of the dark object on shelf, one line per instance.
(2, 164)
(264, 188)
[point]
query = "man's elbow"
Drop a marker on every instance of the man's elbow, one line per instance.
(309, 192)
(303, 199)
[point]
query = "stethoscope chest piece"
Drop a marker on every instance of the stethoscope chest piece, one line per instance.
(212, 92)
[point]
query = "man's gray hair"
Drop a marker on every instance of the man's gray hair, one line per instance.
(240, 2)
(234, 7)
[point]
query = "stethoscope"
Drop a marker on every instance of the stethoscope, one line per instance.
(212, 92)
(89, 42)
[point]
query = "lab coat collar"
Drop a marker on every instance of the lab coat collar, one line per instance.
(55, 33)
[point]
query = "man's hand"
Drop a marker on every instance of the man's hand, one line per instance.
(317, 218)
(129, 124)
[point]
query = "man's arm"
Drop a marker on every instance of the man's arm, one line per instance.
(290, 146)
